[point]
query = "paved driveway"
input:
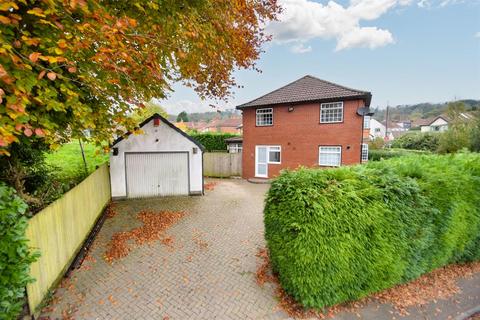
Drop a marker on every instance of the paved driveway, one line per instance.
(208, 273)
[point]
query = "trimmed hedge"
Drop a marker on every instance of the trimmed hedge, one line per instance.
(340, 234)
(15, 256)
(213, 141)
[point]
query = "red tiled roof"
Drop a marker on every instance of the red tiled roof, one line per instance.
(307, 89)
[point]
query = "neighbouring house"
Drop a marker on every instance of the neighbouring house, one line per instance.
(377, 129)
(309, 122)
(439, 123)
(435, 124)
(190, 125)
(234, 144)
(230, 125)
(163, 161)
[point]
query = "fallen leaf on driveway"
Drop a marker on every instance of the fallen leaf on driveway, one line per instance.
(153, 228)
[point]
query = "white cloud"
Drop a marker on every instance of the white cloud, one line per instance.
(477, 35)
(442, 3)
(304, 20)
(301, 48)
(368, 37)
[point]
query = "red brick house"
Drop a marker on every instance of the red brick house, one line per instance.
(309, 122)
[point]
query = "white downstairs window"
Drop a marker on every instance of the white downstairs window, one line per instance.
(274, 154)
(235, 147)
(364, 152)
(330, 156)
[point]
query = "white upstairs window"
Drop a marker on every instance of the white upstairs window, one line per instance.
(364, 152)
(330, 156)
(264, 117)
(331, 112)
(366, 122)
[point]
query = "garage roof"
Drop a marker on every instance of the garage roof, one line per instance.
(171, 125)
(308, 89)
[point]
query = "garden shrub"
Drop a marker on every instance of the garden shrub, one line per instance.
(213, 141)
(15, 255)
(382, 154)
(417, 141)
(340, 234)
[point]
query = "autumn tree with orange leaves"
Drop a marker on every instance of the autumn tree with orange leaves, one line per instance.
(69, 66)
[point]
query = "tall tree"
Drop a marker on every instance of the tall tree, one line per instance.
(182, 116)
(67, 66)
(147, 110)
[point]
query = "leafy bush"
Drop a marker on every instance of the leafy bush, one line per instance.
(340, 234)
(382, 154)
(375, 144)
(15, 256)
(417, 141)
(213, 141)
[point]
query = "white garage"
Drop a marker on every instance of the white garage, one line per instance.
(163, 161)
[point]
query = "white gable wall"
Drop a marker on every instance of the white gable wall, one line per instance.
(169, 140)
(377, 130)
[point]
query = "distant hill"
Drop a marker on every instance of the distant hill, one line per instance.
(207, 116)
(420, 110)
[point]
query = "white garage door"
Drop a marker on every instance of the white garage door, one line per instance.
(156, 174)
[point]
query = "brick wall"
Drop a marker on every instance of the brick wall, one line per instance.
(299, 133)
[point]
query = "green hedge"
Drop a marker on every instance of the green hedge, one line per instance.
(213, 141)
(15, 257)
(340, 234)
(382, 154)
(418, 141)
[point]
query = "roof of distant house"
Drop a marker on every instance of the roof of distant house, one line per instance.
(308, 89)
(234, 139)
(230, 122)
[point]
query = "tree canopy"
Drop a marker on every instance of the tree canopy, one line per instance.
(68, 66)
(182, 116)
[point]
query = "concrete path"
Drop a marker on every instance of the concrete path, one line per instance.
(207, 273)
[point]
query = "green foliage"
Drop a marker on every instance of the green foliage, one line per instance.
(382, 154)
(417, 141)
(213, 141)
(340, 234)
(375, 144)
(147, 110)
(421, 110)
(182, 116)
(15, 255)
(68, 163)
(475, 136)
(459, 133)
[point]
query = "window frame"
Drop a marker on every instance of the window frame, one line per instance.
(330, 146)
(269, 149)
(366, 122)
(364, 152)
(257, 113)
(322, 105)
(236, 147)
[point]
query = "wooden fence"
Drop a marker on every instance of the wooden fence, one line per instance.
(222, 164)
(59, 230)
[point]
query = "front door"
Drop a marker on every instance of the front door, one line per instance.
(261, 161)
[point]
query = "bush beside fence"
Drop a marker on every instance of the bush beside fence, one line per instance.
(59, 230)
(338, 235)
(15, 255)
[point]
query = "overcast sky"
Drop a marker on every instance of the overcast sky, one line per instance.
(403, 51)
